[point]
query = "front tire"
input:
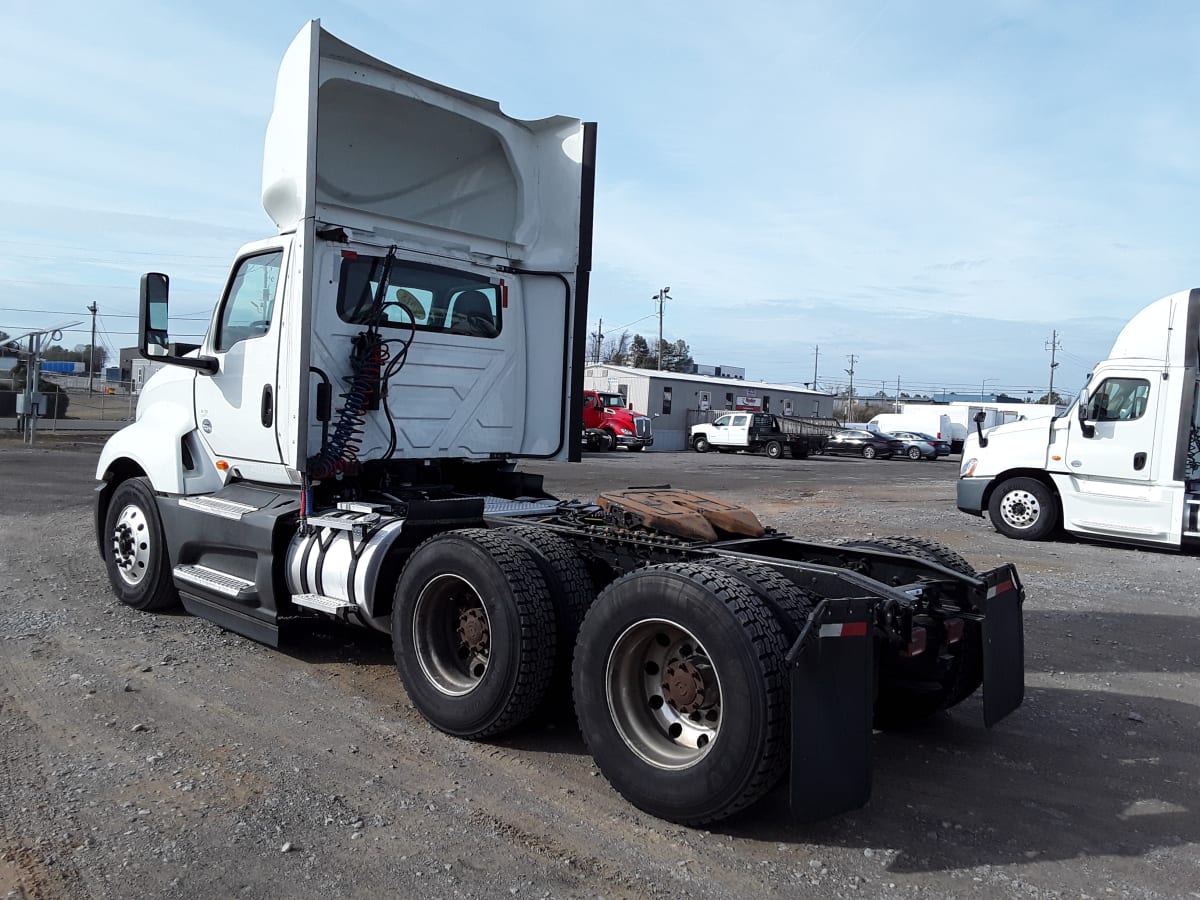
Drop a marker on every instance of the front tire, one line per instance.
(701, 444)
(136, 550)
(681, 692)
(473, 630)
(610, 442)
(1024, 508)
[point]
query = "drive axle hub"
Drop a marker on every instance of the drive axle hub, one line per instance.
(683, 687)
(473, 629)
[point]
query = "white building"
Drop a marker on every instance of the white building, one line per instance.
(676, 401)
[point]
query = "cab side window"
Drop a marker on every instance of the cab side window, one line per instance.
(1119, 400)
(722, 422)
(250, 301)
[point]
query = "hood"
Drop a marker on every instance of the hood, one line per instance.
(355, 142)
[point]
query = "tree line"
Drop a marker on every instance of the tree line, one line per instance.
(635, 351)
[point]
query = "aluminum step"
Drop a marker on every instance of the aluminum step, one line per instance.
(322, 603)
(498, 506)
(216, 581)
(215, 506)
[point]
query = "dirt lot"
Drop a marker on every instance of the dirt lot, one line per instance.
(158, 756)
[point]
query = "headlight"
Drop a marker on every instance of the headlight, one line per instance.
(968, 468)
(625, 431)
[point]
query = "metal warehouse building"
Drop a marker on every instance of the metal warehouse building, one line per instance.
(677, 401)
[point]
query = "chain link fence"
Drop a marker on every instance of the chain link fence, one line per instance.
(105, 401)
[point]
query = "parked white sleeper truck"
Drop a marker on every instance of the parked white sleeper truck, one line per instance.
(1123, 463)
(344, 443)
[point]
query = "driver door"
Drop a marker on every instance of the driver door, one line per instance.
(237, 406)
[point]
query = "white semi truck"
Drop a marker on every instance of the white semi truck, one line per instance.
(1123, 463)
(345, 443)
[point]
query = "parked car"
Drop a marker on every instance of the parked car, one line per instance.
(867, 444)
(942, 447)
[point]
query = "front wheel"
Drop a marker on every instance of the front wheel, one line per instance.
(701, 445)
(135, 548)
(610, 441)
(636, 448)
(1023, 508)
(868, 452)
(681, 691)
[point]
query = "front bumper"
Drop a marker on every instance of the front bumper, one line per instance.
(970, 493)
(630, 440)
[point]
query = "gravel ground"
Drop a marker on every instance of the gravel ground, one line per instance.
(157, 755)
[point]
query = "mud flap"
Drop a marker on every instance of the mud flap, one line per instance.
(1003, 644)
(833, 686)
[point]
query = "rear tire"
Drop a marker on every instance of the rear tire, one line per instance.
(868, 452)
(135, 548)
(571, 592)
(681, 692)
(774, 449)
(473, 630)
(1024, 508)
(914, 452)
(790, 604)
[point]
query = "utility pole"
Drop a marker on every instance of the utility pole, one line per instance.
(897, 393)
(661, 297)
(93, 309)
(599, 340)
(1054, 346)
(816, 357)
(850, 397)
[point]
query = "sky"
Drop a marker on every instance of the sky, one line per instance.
(935, 188)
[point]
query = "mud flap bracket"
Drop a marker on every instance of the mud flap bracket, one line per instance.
(831, 667)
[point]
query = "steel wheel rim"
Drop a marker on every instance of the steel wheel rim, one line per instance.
(659, 724)
(1020, 509)
(131, 544)
(452, 635)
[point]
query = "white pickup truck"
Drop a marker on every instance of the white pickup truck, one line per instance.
(763, 432)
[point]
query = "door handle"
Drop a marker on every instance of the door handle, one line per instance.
(1139, 461)
(267, 410)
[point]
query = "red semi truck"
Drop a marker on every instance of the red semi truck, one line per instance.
(608, 423)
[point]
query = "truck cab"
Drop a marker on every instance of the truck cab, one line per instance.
(1122, 464)
(609, 422)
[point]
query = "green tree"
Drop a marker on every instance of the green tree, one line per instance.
(639, 353)
(676, 357)
(1052, 397)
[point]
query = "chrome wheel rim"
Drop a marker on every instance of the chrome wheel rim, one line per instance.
(131, 544)
(664, 694)
(452, 635)
(1020, 509)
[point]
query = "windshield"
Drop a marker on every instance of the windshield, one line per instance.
(613, 401)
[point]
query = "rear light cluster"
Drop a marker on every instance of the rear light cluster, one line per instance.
(919, 641)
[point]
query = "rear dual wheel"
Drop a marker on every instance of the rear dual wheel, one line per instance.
(681, 692)
(474, 631)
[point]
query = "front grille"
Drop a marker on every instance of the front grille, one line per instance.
(641, 426)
